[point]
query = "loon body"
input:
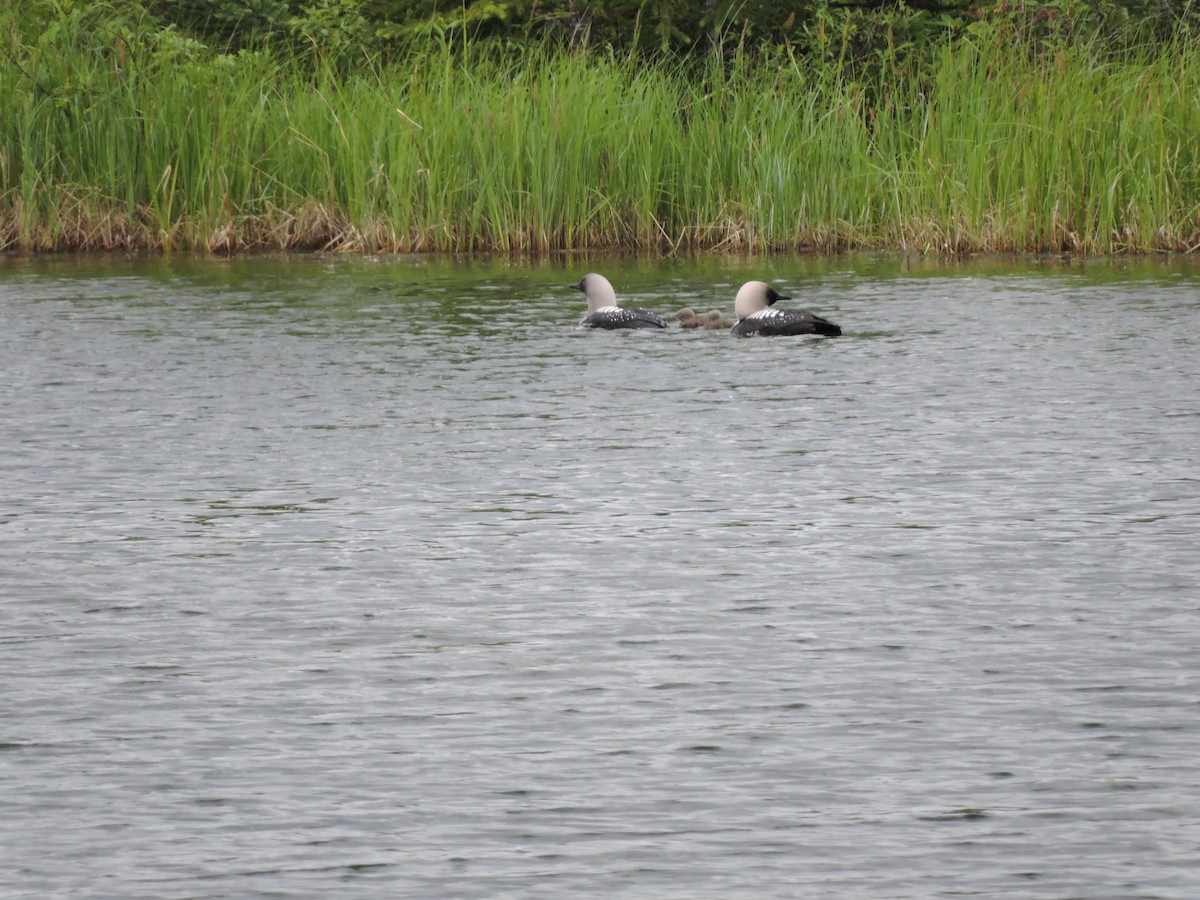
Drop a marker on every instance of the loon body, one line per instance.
(756, 317)
(602, 309)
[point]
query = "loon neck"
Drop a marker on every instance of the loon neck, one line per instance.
(599, 292)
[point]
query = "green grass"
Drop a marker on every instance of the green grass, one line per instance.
(107, 143)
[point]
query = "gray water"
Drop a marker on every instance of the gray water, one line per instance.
(378, 577)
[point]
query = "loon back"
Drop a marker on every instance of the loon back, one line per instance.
(619, 317)
(771, 322)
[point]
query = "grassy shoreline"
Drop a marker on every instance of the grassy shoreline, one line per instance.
(992, 149)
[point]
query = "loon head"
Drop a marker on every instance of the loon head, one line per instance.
(755, 296)
(598, 290)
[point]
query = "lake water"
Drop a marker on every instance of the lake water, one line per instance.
(377, 577)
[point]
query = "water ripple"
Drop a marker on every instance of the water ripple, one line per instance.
(368, 578)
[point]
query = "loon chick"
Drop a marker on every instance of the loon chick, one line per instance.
(755, 316)
(711, 320)
(715, 321)
(602, 309)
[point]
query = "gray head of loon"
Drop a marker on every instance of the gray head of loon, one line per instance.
(755, 296)
(598, 290)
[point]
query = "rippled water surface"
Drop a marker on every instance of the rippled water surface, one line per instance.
(365, 578)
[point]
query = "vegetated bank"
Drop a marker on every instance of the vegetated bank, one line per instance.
(982, 142)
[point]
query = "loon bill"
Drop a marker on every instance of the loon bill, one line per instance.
(755, 315)
(602, 309)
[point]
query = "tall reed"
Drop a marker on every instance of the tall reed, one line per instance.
(107, 144)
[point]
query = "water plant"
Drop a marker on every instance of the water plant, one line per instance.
(129, 137)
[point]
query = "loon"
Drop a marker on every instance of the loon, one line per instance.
(711, 320)
(602, 309)
(715, 321)
(755, 316)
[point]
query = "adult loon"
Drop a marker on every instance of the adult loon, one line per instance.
(602, 309)
(755, 315)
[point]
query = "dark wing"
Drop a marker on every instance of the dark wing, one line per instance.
(618, 317)
(771, 322)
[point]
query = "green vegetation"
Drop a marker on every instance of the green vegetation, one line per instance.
(1000, 135)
